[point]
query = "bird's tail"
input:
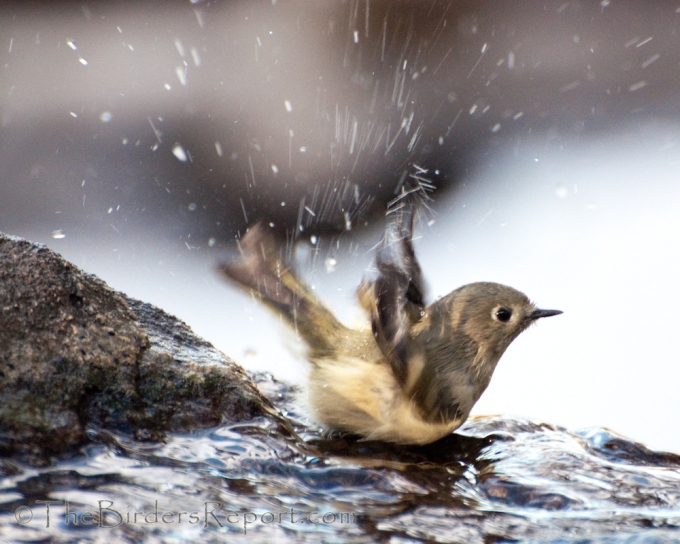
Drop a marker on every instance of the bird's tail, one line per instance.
(261, 271)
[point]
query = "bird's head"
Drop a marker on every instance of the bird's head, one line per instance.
(492, 315)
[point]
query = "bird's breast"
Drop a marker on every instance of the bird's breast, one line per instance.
(362, 396)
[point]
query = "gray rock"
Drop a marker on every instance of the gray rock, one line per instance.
(75, 354)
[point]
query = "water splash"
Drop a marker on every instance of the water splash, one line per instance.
(179, 152)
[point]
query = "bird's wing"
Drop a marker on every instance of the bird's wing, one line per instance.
(261, 271)
(395, 298)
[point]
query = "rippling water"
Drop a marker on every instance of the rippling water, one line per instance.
(498, 479)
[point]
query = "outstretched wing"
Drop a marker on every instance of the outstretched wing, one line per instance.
(261, 271)
(395, 298)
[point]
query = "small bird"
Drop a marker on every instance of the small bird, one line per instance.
(413, 376)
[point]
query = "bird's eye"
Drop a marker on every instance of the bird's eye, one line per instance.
(503, 315)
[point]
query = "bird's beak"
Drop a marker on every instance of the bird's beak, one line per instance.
(538, 313)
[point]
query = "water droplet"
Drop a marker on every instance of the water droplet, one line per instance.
(181, 74)
(496, 127)
(275, 169)
(283, 203)
(105, 117)
(637, 86)
(211, 242)
(167, 86)
(330, 264)
(288, 105)
(179, 47)
(313, 239)
(82, 61)
(303, 149)
(192, 207)
(561, 191)
(71, 44)
(178, 151)
(218, 148)
(73, 114)
(195, 56)
(58, 234)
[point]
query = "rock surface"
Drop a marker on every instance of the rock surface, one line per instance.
(76, 355)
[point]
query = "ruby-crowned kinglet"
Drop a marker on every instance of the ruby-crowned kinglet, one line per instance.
(414, 374)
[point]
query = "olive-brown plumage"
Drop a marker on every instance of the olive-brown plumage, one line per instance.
(413, 374)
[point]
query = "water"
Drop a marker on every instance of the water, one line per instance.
(497, 479)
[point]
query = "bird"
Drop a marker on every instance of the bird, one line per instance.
(413, 373)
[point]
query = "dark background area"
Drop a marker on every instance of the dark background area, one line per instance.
(374, 88)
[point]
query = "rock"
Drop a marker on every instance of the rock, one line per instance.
(75, 354)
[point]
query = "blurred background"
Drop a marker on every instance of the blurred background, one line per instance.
(140, 139)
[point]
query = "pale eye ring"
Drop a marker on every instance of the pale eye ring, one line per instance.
(503, 315)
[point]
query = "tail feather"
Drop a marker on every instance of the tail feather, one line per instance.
(261, 271)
